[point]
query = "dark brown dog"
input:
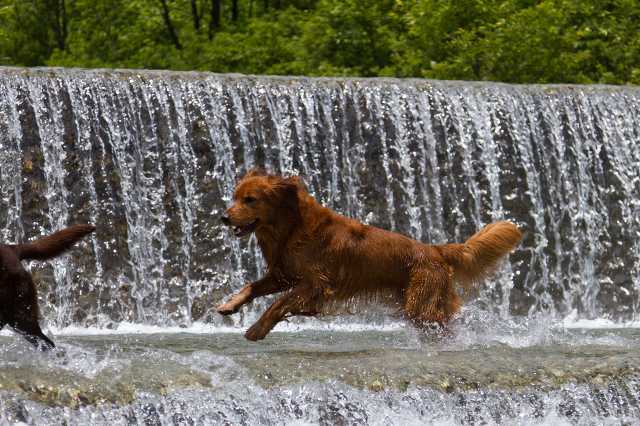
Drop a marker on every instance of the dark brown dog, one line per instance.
(321, 258)
(18, 296)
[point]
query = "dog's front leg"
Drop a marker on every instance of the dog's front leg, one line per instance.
(264, 286)
(299, 301)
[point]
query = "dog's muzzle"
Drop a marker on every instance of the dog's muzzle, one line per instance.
(240, 231)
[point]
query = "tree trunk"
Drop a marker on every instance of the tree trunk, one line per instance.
(195, 14)
(59, 21)
(214, 23)
(170, 29)
(234, 10)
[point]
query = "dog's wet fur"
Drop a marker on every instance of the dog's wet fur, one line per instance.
(18, 293)
(320, 259)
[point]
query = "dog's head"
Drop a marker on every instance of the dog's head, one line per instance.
(262, 200)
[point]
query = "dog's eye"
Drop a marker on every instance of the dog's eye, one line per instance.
(249, 200)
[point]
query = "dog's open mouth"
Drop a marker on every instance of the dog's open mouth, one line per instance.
(241, 231)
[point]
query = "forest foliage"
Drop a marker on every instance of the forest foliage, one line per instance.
(518, 41)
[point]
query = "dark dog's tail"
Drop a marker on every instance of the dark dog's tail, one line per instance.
(479, 256)
(54, 244)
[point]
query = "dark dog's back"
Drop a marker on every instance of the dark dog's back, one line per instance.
(18, 295)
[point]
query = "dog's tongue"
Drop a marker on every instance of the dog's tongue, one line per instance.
(239, 231)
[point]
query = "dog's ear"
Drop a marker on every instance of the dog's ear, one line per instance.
(295, 181)
(289, 190)
(256, 171)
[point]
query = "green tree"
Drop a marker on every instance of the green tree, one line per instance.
(31, 30)
(519, 41)
(525, 42)
(351, 37)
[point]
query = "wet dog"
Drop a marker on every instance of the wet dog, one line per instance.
(320, 258)
(18, 295)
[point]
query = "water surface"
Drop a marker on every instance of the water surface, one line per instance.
(520, 374)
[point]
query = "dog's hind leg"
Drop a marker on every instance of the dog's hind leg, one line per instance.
(24, 315)
(265, 286)
(299, 301)
(430, 296)
(26, 324)
(34, 335)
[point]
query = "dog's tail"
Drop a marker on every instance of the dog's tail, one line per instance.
(480, 255)
(54, 244)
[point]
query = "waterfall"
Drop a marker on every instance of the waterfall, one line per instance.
(152, 158)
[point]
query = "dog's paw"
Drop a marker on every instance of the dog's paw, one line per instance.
(233, 305)
(255, 333)
(227, 308)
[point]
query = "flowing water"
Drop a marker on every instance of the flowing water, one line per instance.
(152, 157)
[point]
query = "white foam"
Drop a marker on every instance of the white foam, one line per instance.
(204, 328)
(573, 321)
(134, 328)
(570, 322)
(598, 323)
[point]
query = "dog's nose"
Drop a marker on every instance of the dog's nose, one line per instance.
(224, 219)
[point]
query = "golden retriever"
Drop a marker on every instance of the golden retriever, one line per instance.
(320, 258)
